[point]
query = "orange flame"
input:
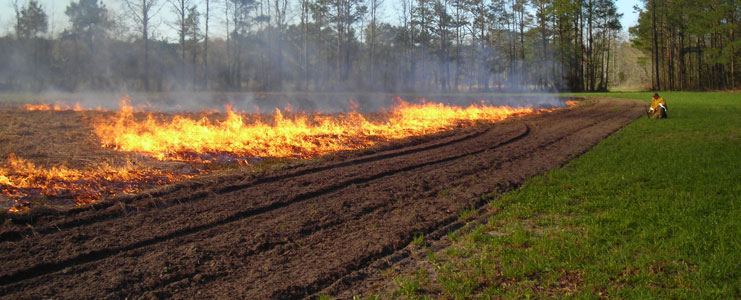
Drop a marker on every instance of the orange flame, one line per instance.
(16, 209)
(300, 135)
(59, 106)
(183, 138)
(22, 179)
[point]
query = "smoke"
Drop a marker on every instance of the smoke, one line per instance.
(270, 72)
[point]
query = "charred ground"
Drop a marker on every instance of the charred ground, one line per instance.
(293, 232)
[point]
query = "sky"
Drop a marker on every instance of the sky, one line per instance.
(58, 20)
(630, 17)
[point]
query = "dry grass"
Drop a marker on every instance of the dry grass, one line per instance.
(65, 139)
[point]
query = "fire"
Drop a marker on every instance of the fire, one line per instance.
(297, 136)
(216, 137)
(58, 106)
(571, 103)
(20, 179)
(16, 209)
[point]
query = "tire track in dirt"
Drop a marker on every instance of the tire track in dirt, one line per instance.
(370, 279)
(99, 212)
(221, 269)
(446, 221)
(304, 289)
(97, 254)
(182, 197)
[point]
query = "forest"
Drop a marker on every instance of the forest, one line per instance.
(692, 45)
(344, 45)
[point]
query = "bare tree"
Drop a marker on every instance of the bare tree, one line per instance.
(484, 16)
(542, 14)
(344, 14)
(17, 18)
(242, 20)
(142, 12)
(520, 9)
(374, 5)
(227, 8)
(205, 45)
(180, 9)
(440, 45)
(193, 31)
(279, 18)
(406, 38)
(305, 7)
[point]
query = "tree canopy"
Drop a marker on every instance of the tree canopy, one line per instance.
(342, 45)
(692, 44)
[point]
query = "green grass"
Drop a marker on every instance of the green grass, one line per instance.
(652, 212)
(419, 240)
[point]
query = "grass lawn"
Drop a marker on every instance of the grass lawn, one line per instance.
(652, 212)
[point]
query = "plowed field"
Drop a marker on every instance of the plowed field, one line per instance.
(292, 232)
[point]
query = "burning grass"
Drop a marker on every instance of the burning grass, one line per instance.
(295, 135)
(59, 106)
(61, 154)
(23, 179)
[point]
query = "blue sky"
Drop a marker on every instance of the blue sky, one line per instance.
(58, 21)
(625, 7)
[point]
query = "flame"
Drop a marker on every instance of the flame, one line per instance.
(21, 179)
(299, 136)
(233, 136)
(59, 106)
(17, 209)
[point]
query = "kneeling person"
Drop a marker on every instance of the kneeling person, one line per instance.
(658, 107)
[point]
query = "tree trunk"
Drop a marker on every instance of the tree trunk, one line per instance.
(657, 84)
(182, 42)
(590, 49)
(205, 49)
(228, 58)
(457, 46)
(304, 45)
(340, 29)
(670, 60)
(606, 64)
(733, 48)
(700, 78)
(682, 67)
(544, 41)
(372, 46)
(146, 54)
(523, 69)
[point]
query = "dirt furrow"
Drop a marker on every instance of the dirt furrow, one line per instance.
(82, 249)
(47, 221)
(296, 264)
(366, 280)
(362, 213)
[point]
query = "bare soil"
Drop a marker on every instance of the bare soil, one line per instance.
(293, 232)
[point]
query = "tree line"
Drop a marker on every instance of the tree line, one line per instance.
(691, 44)
(326, 45)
